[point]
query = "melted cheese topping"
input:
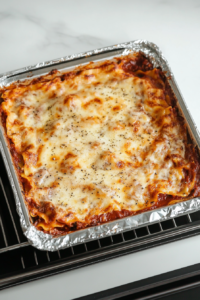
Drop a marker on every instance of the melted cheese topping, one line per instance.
(96, 140)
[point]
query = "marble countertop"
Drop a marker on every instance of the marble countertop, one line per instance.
(40, 30)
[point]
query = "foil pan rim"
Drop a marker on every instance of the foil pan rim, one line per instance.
(145, 46)
(45, 241)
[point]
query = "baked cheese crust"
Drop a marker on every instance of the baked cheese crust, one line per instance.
(97, 143)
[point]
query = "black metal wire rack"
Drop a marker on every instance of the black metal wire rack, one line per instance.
(20, 262)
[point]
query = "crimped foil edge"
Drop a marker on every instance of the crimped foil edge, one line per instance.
(148, 48)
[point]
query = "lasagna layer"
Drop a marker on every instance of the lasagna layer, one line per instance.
(98, 143)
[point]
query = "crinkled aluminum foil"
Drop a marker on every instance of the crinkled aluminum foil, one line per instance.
(44, 241)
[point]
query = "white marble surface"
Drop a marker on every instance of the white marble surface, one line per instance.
(38, 30)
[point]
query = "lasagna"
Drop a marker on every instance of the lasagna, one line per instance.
(98, 143)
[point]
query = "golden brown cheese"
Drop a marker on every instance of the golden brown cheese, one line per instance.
(100, 139)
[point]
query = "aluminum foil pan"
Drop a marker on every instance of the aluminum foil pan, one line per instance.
(44, 241)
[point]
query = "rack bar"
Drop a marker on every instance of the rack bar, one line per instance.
(3, 232)
(35, 257)
(11, 215)
(189, 218)
(14, 247)
(174, 223)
